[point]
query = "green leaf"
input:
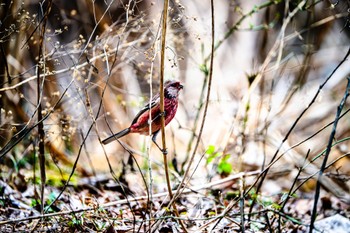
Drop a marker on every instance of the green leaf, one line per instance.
(210, 150)
(225, 167)
(231, 195)
(34, 202)
(276, 206)
(204, 69)
(211, 213)
(213, 156)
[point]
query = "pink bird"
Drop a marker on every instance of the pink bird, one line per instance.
(140, 124)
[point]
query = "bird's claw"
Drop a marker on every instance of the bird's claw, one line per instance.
(164, 151)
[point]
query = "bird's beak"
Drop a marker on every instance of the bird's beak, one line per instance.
(181, 86)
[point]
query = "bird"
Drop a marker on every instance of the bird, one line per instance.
(141, 121)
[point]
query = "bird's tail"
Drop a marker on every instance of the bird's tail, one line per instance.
(116, 136)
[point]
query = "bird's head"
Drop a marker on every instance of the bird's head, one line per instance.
(172, 88)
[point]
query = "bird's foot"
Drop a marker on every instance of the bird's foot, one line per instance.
(164, 151)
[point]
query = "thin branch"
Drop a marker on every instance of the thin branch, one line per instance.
(324, 163)
(264, 173)
(136, 199)
(161, 89)
(290, 191)
(181, 186)
(3, 56)
(40, 90)
(161, 95)
(110, 53)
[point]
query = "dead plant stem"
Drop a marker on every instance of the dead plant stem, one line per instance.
(185, 179)
(324, 162)
(161, 94)
(40, 90)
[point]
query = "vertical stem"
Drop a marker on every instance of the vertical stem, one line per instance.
(241, 203)
(185, 176)
(40, 89)
(326, 155)
(41, 152)
(210, 77)
(161, 95)
(162, 59)
(161, 92)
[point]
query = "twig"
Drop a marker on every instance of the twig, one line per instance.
(86, 136)
(329, 147)
(185, 178)
(181, 186)
(40, 90)
(290, 192)
(113, 65)
(244, 106)
(332, 188)
(94, 30)
(195, 122)
(149, 188)
(161, 95)
(3, 56)
(161, 90)
(110, 53)
(135, 199)
(237, 24)
(241, 203)
(294, 125)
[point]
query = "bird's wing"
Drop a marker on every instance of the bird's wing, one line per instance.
(148, 106)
